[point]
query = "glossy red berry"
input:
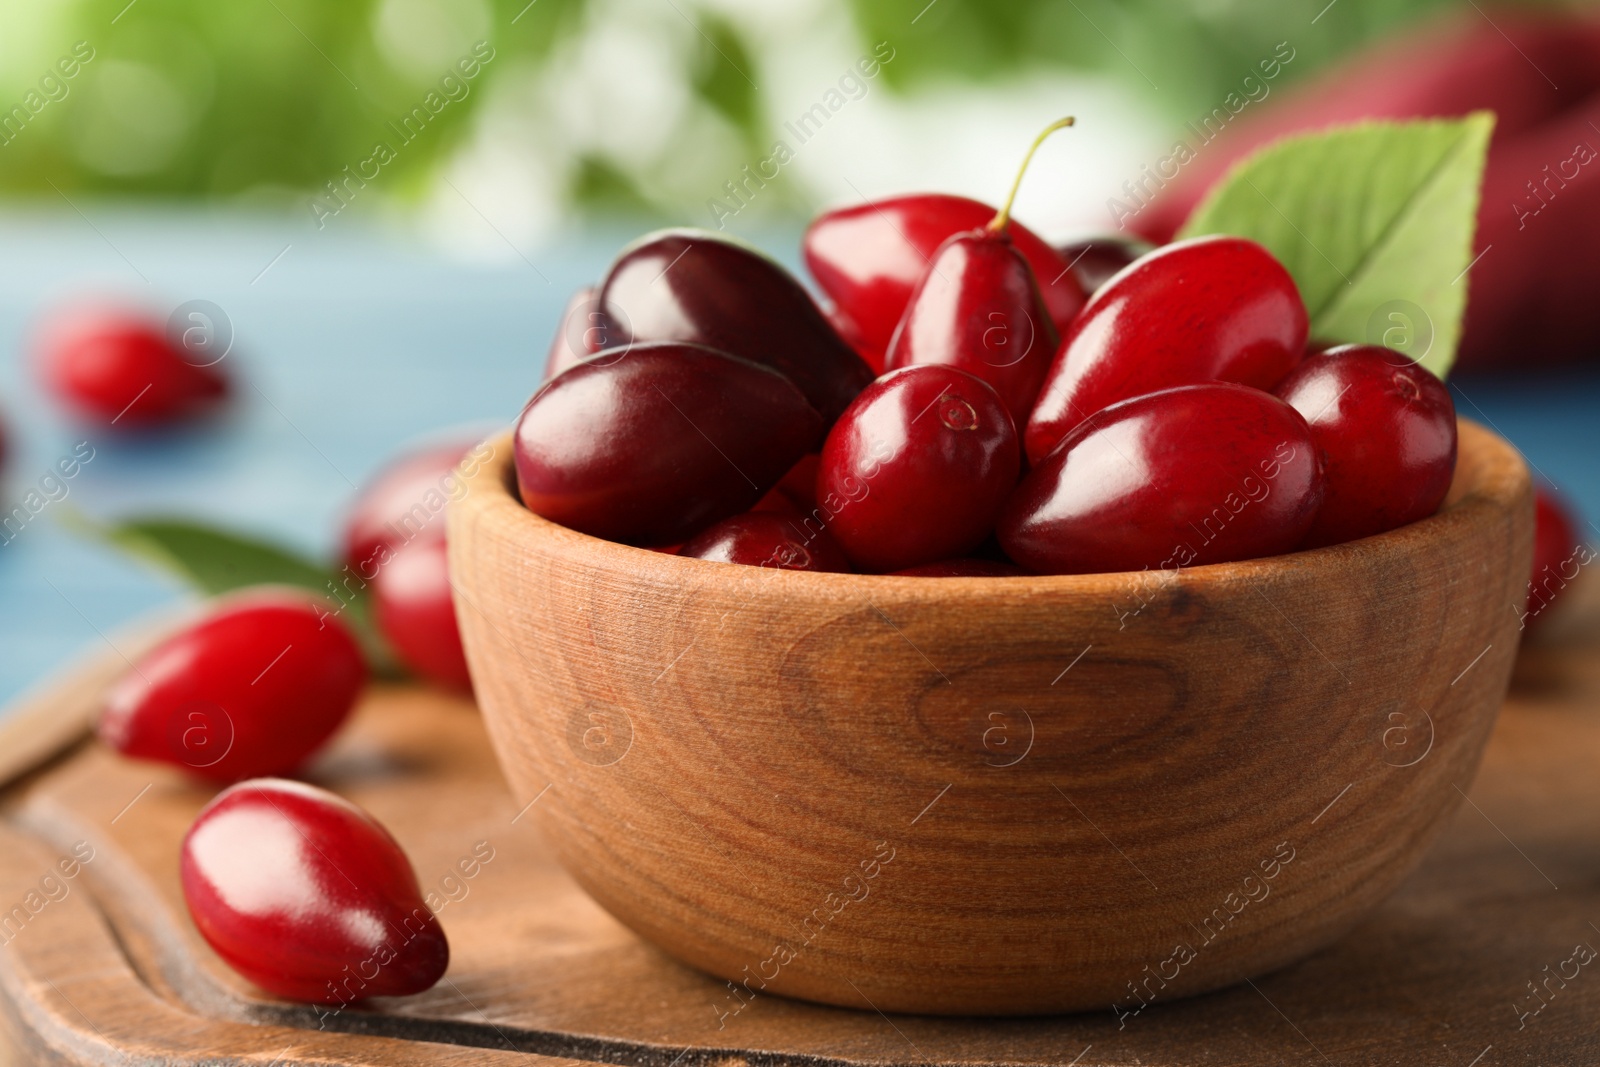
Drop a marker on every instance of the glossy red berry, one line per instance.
(1559, 553)
(768, 539)
(412, 603)
(698, 288)
(775, 502)
(846, 328)
(1207, 309)
(253, 688)
(406, 502)
(1386, 428)
(1193, 475)
(800, 484)
(796, 492)
(1096, 260)
(654, 444)
(963, 568)
(977, 308)
(582, 333)
(915, 470)
(307, 896)
(868, 258)
(121, 370)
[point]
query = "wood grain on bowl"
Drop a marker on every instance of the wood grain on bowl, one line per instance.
(994, 795)
(106, 968)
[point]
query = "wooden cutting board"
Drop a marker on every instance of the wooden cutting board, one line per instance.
(1486, 955)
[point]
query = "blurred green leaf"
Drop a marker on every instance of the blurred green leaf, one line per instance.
(601, 186)
(212, 560)
(272, 100)
(1182, 58)
(269, 99)
(1375, 222)
(215, 561)
(724, 74)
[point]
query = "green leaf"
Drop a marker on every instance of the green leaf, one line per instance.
(216, 561)
(212, 560)
(1375, 221)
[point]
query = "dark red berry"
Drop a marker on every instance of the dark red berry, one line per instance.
(651, 445)
(1192, 475)
(868, 259)
(800, 484)
(915, 470)
(698, 288)
(1207, 309)
(846, 328)
(307, 896)
(796, 492)
(768, 539)
(978, 308)
(1386, 428)
(1559, 553)
(963, 568)
(582, 333)
(413, 606)
(122, 370)
(776, 502)
(1096, 260)
(253, 688)
(406, 502)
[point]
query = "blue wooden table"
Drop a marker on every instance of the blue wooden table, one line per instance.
(349, 343)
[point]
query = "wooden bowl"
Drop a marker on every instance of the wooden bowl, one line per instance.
(993, 795)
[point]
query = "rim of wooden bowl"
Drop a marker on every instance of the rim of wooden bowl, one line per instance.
(1490, 478)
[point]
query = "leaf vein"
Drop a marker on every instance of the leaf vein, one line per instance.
(1395, 223)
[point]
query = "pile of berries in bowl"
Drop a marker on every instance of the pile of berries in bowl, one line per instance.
(964, 408)
(1026, 457)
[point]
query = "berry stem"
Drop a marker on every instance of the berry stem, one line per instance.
(1002, 218)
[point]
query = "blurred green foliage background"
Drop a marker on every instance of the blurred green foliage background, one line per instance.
(266, 101)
